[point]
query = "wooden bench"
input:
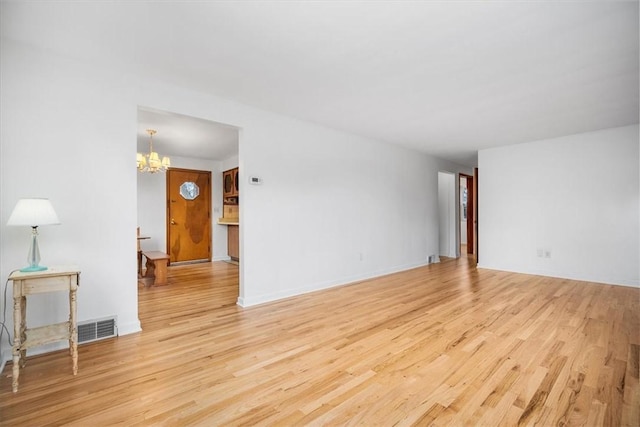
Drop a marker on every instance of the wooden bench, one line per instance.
(156, 266)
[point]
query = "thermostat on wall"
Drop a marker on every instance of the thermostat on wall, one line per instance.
(255, 180)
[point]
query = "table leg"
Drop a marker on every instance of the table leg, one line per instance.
(70, 325)
(161, 272)
(23, 329)
(17, 317)
(151, 269)
(73, 336)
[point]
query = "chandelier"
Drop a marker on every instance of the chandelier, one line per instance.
(151, 162)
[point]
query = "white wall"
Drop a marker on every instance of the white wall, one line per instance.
(230, 163)
(152, 205)
(151, 208)
(575, 197)
(68, 133)
(447, 214)
(333, 207)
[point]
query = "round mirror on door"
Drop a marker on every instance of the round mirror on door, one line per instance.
(189, 190)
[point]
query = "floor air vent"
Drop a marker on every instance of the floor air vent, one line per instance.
(93, 330)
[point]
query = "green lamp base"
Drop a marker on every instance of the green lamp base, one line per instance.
(33, 268)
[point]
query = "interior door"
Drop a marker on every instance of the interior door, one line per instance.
(188, 215)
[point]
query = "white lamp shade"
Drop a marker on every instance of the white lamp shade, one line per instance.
(33, 212)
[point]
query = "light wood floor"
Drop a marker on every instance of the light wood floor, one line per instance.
(444, 345)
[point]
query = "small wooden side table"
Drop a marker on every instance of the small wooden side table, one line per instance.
(156, 266)
(64, 278)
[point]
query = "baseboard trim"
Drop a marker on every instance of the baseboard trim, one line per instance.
(629, 284)
(265, 298)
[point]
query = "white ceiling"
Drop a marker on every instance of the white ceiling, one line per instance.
(185, 136)
(447, 78)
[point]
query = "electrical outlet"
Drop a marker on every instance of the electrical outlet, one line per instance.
(547, 253)
(539, 250)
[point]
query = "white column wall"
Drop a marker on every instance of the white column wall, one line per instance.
(68, 134)
(447, 214)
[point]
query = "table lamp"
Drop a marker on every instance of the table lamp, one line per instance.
(33, 212)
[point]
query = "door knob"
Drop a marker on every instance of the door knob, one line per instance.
(173, 221)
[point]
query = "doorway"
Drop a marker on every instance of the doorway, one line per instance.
(193, 144)
(188, 215)
(467, 215)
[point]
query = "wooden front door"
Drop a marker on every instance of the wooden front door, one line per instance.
(188, 215)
